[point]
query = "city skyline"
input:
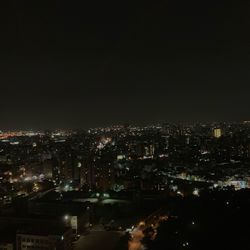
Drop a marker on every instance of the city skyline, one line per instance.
(133, 187)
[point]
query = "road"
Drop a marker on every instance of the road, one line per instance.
(96, 240)
(40, 194)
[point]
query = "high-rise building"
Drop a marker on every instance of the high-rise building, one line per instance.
(55, 170)
(217, 132)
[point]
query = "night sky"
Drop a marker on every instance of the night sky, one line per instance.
(66, 64)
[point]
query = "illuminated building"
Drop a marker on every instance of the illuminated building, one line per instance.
(44, 239)
(217, 132)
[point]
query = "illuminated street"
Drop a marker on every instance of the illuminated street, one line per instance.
(135, 242)
(137, 234)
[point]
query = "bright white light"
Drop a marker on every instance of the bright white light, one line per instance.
(106, 195)
(196, 192)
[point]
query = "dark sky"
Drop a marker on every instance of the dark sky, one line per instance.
(65, 64)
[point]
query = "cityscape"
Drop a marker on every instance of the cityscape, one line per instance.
(126, 185)
(124, 125)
